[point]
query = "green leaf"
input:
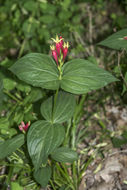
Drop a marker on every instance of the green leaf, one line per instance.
(118, 142)
(63, 109)
(80, 76)
(124, 86)
(33, 96)
(9, 84)
(4, 123)
(1, 91)
(42, 139)
(38, 70)
(43, 175)
(116, 41)
(9, 146)
(16, 186)
(22, 86)
(64, 154)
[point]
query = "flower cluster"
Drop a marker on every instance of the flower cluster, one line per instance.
(59, 50)
(24, 127)
(125, 37)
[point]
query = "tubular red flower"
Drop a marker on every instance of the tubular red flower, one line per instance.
(54, 53)
(58, 44)
(65, 50)
(60, 50)
(23, 127)
(26, 126)
(58, 47)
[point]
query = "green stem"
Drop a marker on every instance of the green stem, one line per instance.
(25, 40)
(54, 104)
(74, 174)
(79, 107)
(22, 48)
(11, 96)
(66, 140)
(55, 97)
(8, 181)
(73, 132)
(52, 185)
(77, 112)
(12, 110)
(67, 177)
(84, 168)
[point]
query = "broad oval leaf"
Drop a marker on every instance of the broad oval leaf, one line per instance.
(61, 111)
(80, 76)
(43, 175)
(38, 70)
(42, 139)
(9, 146)
(16, 186)
(116, 41)
(64, 154)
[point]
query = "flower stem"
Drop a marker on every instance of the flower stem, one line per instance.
(73, 133)
(54, 103)
(11, 96)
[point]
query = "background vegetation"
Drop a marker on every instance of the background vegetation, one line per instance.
(28, 26)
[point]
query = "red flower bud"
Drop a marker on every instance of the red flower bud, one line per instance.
(58, 47)
(54, 53)
(59, 44)
(125, 37)
(23, 127)
(26, 126)
(65, 50)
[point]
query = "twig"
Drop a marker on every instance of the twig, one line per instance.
(90, 29)
(79, 40)
(117, 152)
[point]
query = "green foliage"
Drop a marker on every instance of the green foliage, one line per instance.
(38, 70)
(9, 84)
(81, 76)
(10, 145)
(28, 26)
(42, 139)
(43, 175)
(116, 41)
(78, 76)
(64, 154)
(119, 142)
(16, 186)
(59, 111)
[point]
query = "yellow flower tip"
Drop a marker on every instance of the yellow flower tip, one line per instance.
(52, 47)
(66, 45)
(57, 40)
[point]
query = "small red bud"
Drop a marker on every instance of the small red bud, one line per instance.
(65, 50)
(23, 127)
(54, 53)
(125, 37)
(26, 126)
